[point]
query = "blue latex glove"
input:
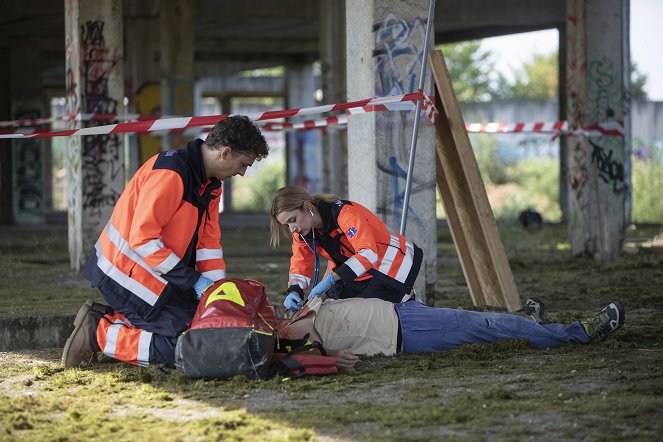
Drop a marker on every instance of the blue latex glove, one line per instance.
(322, 287)
(201, 285)
(292, 301)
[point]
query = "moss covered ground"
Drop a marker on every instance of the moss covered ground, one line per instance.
(504, 391)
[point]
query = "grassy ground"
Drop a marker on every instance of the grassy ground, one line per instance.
(503, 391)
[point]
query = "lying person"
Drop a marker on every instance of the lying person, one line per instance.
(350, 327)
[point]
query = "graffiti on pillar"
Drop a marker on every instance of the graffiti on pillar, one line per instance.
(577, 174)
(102, 159)
(397, 186)
(98, 65)
(398, 55)
(398, 42)
(604, 93)
(609, 170)
(29, 205)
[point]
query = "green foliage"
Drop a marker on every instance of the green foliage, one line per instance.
(255, 193)
(471, 70)
(517, 184)
(638, 83)
(647, 182)
(539, 176)
(536, 79)
(491, 166)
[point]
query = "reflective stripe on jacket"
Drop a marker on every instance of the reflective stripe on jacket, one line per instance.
(163, 233)
(359, 246)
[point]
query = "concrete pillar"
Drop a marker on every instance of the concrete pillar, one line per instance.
(29, 199)
(332, 62)
(304, 155)
(598, 174)
(6, 175)
(177, 29)
(563, 143)
(143, 83)
(384, 58)
(95, 84)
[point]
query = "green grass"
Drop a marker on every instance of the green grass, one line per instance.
(503, 391)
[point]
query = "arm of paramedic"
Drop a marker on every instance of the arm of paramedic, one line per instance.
(358, 232)
(344, 358)
(301, 266)
(209, 251)
(155, 208)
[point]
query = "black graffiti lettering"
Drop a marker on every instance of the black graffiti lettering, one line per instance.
(609, 170)
(92, 32)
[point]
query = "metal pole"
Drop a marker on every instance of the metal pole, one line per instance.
(415, 132)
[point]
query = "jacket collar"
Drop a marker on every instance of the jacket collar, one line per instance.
(325, 213)
(196, 161)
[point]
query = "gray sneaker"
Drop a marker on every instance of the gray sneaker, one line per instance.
(599, 326)
(535, 310)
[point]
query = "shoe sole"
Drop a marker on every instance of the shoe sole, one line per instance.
(82, 312)
(541, 310)
(620, 311)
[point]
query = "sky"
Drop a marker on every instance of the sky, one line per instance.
(646, 34)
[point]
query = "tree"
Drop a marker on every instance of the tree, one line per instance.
(471, 70)
(638, 83)
(536, 79)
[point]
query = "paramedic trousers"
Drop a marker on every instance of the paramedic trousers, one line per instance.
(127, 337)
(429, 329)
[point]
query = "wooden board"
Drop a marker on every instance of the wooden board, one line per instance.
(463, 194)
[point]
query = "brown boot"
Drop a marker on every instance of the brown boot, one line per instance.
(82, 344)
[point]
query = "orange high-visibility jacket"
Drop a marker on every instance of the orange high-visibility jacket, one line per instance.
(358, 246)
(163, 234)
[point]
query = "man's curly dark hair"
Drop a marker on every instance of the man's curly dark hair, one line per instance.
(240, 134)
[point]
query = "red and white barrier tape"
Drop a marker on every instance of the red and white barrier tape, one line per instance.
(427, 105)
(542, 127)
(191, 125)
(611, 128)
(183, 123)
(82, 117)
(308, 124)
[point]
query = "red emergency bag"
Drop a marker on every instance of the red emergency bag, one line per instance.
(305, 359)
(232, 333)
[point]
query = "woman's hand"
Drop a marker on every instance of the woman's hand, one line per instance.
(322, 286)
(344, 358)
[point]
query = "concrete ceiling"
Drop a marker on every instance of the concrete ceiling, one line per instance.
(271, 31)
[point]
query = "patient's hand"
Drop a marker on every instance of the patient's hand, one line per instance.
(344, 358)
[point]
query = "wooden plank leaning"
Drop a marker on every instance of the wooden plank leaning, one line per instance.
(471, 221)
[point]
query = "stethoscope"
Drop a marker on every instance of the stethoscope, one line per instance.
(316, 259)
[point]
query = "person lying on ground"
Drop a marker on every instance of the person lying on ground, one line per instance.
(366, 259)
(347, 328)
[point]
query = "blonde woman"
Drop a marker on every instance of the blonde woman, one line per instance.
(366, 259)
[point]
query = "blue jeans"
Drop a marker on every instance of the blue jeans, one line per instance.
(428, 329)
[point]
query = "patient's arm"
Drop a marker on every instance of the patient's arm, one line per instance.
(344, 358)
